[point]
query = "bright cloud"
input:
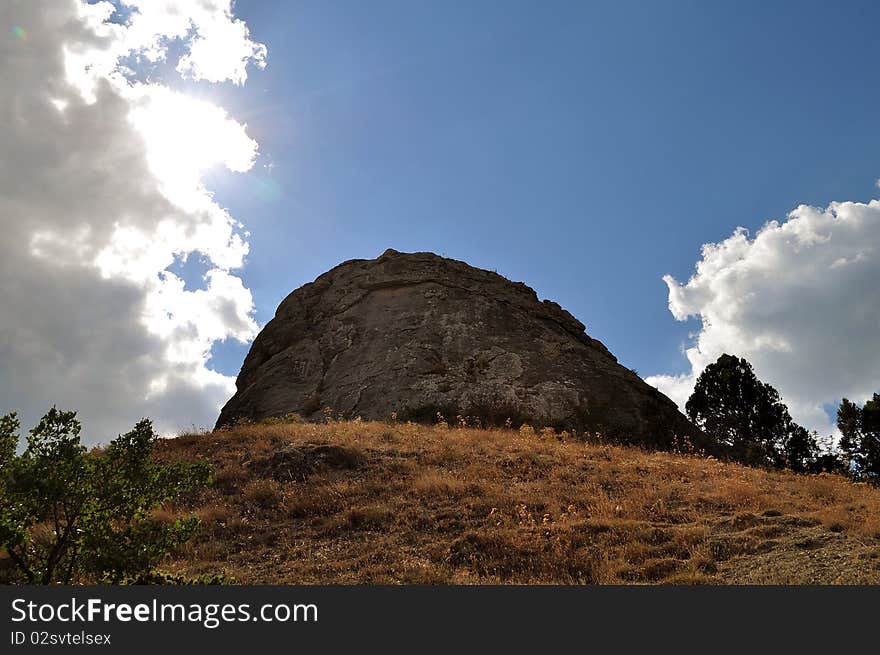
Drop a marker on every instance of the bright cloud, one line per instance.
(218, 46)
(221, 49)
(800, 301)
(185, 137)
(101, 190)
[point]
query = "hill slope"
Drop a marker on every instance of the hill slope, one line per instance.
(353, 502)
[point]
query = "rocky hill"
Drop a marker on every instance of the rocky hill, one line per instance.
(417, 334)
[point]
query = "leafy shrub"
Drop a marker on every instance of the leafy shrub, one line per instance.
(70, 515)
(288, 419)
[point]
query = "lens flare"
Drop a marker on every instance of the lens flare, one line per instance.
(19, 31)
(267, 189)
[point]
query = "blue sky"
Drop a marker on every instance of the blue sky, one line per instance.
(584, 148)
(606, 154)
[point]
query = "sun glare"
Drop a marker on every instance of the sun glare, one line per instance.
(186, 136)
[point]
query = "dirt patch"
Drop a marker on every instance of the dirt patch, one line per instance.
(806, 556)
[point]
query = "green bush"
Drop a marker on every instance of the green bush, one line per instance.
(69, 515)
(287, 419)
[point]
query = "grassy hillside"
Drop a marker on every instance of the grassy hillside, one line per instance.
(352, 502)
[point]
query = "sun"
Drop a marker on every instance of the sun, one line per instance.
(184, 137)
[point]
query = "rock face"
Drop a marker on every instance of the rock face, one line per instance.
(417, 334)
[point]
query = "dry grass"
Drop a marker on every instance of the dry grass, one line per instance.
(404, 503)
(263, 493)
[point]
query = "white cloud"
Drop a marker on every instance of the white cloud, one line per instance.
(185, 137)
(221, 49)
(800, 301)
(216, 46)
(100, 191)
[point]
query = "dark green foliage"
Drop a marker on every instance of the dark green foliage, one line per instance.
(827, 462)
(801, 449)
(69, 515)
(871, 416)
(828, 457)
(849, 422)
(860, 434)
(871, 436)
(737, 410)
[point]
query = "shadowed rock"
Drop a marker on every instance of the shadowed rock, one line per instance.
(417, 333)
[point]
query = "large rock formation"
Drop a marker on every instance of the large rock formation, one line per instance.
(417, 333)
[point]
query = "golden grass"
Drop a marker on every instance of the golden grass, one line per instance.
(405, 503)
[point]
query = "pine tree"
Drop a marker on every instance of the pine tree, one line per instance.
(870, 446)
(731, 405)
(849, 422)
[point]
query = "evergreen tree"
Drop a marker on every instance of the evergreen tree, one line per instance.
(849, 422)
(801, 449)
(870, 446)
(731, 405)
(860, 434)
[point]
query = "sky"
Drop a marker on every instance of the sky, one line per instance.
(686, 178)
